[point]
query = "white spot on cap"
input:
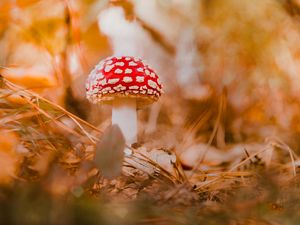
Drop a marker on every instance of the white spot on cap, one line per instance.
(113, 81)
(135, 92)
(118, 71)
(119, 64)
(105, 90)
(109, 62)
(103, 82)
(96, 76)
(150, 91)
(147, 72)
(109, 58)
(108, 68)
(143, 92)
(95, 90)
(140, 69)
(152, 75)
(100, 76)
(119, 87)
(152, 84)
(134, 87)
(99, 66)
(111, 91)
(136, 59)
(144, 87)
(128, 70)
(127, 58)
(132, 63)
(95, 82)
(127, 79)
(140, 79)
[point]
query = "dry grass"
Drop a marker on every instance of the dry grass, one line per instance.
(55, 176)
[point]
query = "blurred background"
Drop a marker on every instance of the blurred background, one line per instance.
(246, 49)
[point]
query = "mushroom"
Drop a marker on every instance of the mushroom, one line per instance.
(126, 83)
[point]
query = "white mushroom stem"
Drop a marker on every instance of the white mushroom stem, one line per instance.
(124, 114)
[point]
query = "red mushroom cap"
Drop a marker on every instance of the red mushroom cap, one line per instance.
(123, 77)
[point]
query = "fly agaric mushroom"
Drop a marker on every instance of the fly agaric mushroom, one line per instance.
(127, 83)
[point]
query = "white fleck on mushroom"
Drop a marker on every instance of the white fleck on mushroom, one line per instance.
(106, 89)
(119, 64)
(135, 92)
(118, 71)
(134, 87)
(147, 72)
(113, 81)
(108, 68)
(140, 79)
(98, 67)
(103, 82)
(119, 87)
(132, 63)
(100, 76)
(140, 69)
(128, 71)
(152, 84)
(152, 75)
(127, 58)
(127, 79)
(150, 91)
(95, 90)
(109, 62)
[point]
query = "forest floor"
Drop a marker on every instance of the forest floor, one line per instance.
(58, 169)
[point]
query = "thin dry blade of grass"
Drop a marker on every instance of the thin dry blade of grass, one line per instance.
(280, 144)
(34, 100)
(221, 110)
(145, 161)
